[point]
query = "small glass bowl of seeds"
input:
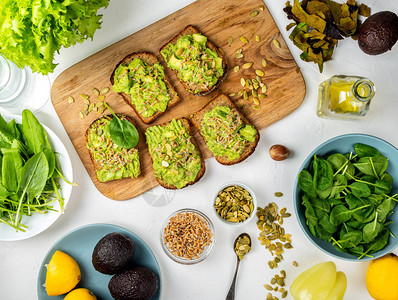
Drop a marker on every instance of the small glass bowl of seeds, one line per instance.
(235, 203)
(187, 236)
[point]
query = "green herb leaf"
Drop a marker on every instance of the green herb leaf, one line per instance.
(122, 132)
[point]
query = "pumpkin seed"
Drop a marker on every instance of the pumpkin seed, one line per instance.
(258, 38)
(264, 62)
(255, 107)
(105, 90)
(231, 95)
(239, 55)
(255, 101)
(245, 95)
(240, 93)
(236, 69)
(242, 246)
(100, 98)
(268, 287)
(247, 65)
(262, 96)
(230, 40)
(264, 88)
(254, 13)
(261, 8)
(81, 115)
(254, 93)
(179, 51)
(284, 294)
(242, 82)
(84, 96)
(259, 73)
(244, 40)
(295, 264)
(279, 194)
(91, 107)
(239, 50)
(96, 91)
(276, 43)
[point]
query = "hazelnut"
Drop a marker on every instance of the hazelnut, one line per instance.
(279, 152)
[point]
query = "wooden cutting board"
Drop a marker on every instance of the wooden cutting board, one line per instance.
(218, 20)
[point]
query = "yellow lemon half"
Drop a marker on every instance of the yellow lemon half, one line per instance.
(382, 278)
(63, 274)
(80, 294)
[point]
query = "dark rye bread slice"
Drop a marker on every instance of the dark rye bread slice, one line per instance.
(95, 163)
(190, 86)
(150, 59)
(223, 100)
(185, 122)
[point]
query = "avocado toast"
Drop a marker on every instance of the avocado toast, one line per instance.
(198, 63)
(139, 78)
(227, 133)
(110, 161)
(176, 158)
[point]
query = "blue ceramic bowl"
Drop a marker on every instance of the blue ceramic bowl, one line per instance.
(344, 144)
(80, 243)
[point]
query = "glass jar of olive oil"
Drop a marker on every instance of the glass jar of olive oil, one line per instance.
(345, 97)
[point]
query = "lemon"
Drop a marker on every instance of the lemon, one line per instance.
(63, 274)
(382, 278)
(80, 294)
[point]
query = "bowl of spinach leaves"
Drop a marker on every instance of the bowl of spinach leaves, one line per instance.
(345, 195)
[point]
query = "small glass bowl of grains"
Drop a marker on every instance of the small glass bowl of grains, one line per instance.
(187, 236)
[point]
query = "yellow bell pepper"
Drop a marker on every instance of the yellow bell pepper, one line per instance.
(320, 282)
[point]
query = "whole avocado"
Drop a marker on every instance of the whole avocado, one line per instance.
(135, 283)
(113, 253)
(378, 33)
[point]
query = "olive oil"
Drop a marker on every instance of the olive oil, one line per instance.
(345, 97)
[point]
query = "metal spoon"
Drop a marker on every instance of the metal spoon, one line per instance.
(231, 292)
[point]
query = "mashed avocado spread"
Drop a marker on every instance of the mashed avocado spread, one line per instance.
(145, 83)
(113, 162)
(225, 133)
(193, 61)
(175, 158)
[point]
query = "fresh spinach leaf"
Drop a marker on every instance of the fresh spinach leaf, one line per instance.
(339, 215)
(350, 239)
(324, 220)
(374, 166)
(34, 175)
(309, 211)
(11, 169)
(359, 189)
(323, 174)
(371, 230)
(382, 187)
(34, 133)
(122, 132)
(363, 150)
(51, 161)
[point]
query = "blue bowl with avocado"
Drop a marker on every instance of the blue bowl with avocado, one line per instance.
(345, 195)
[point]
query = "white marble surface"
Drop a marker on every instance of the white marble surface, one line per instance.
(301, 131)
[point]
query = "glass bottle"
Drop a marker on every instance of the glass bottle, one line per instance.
(20, 88)
(345, 97)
